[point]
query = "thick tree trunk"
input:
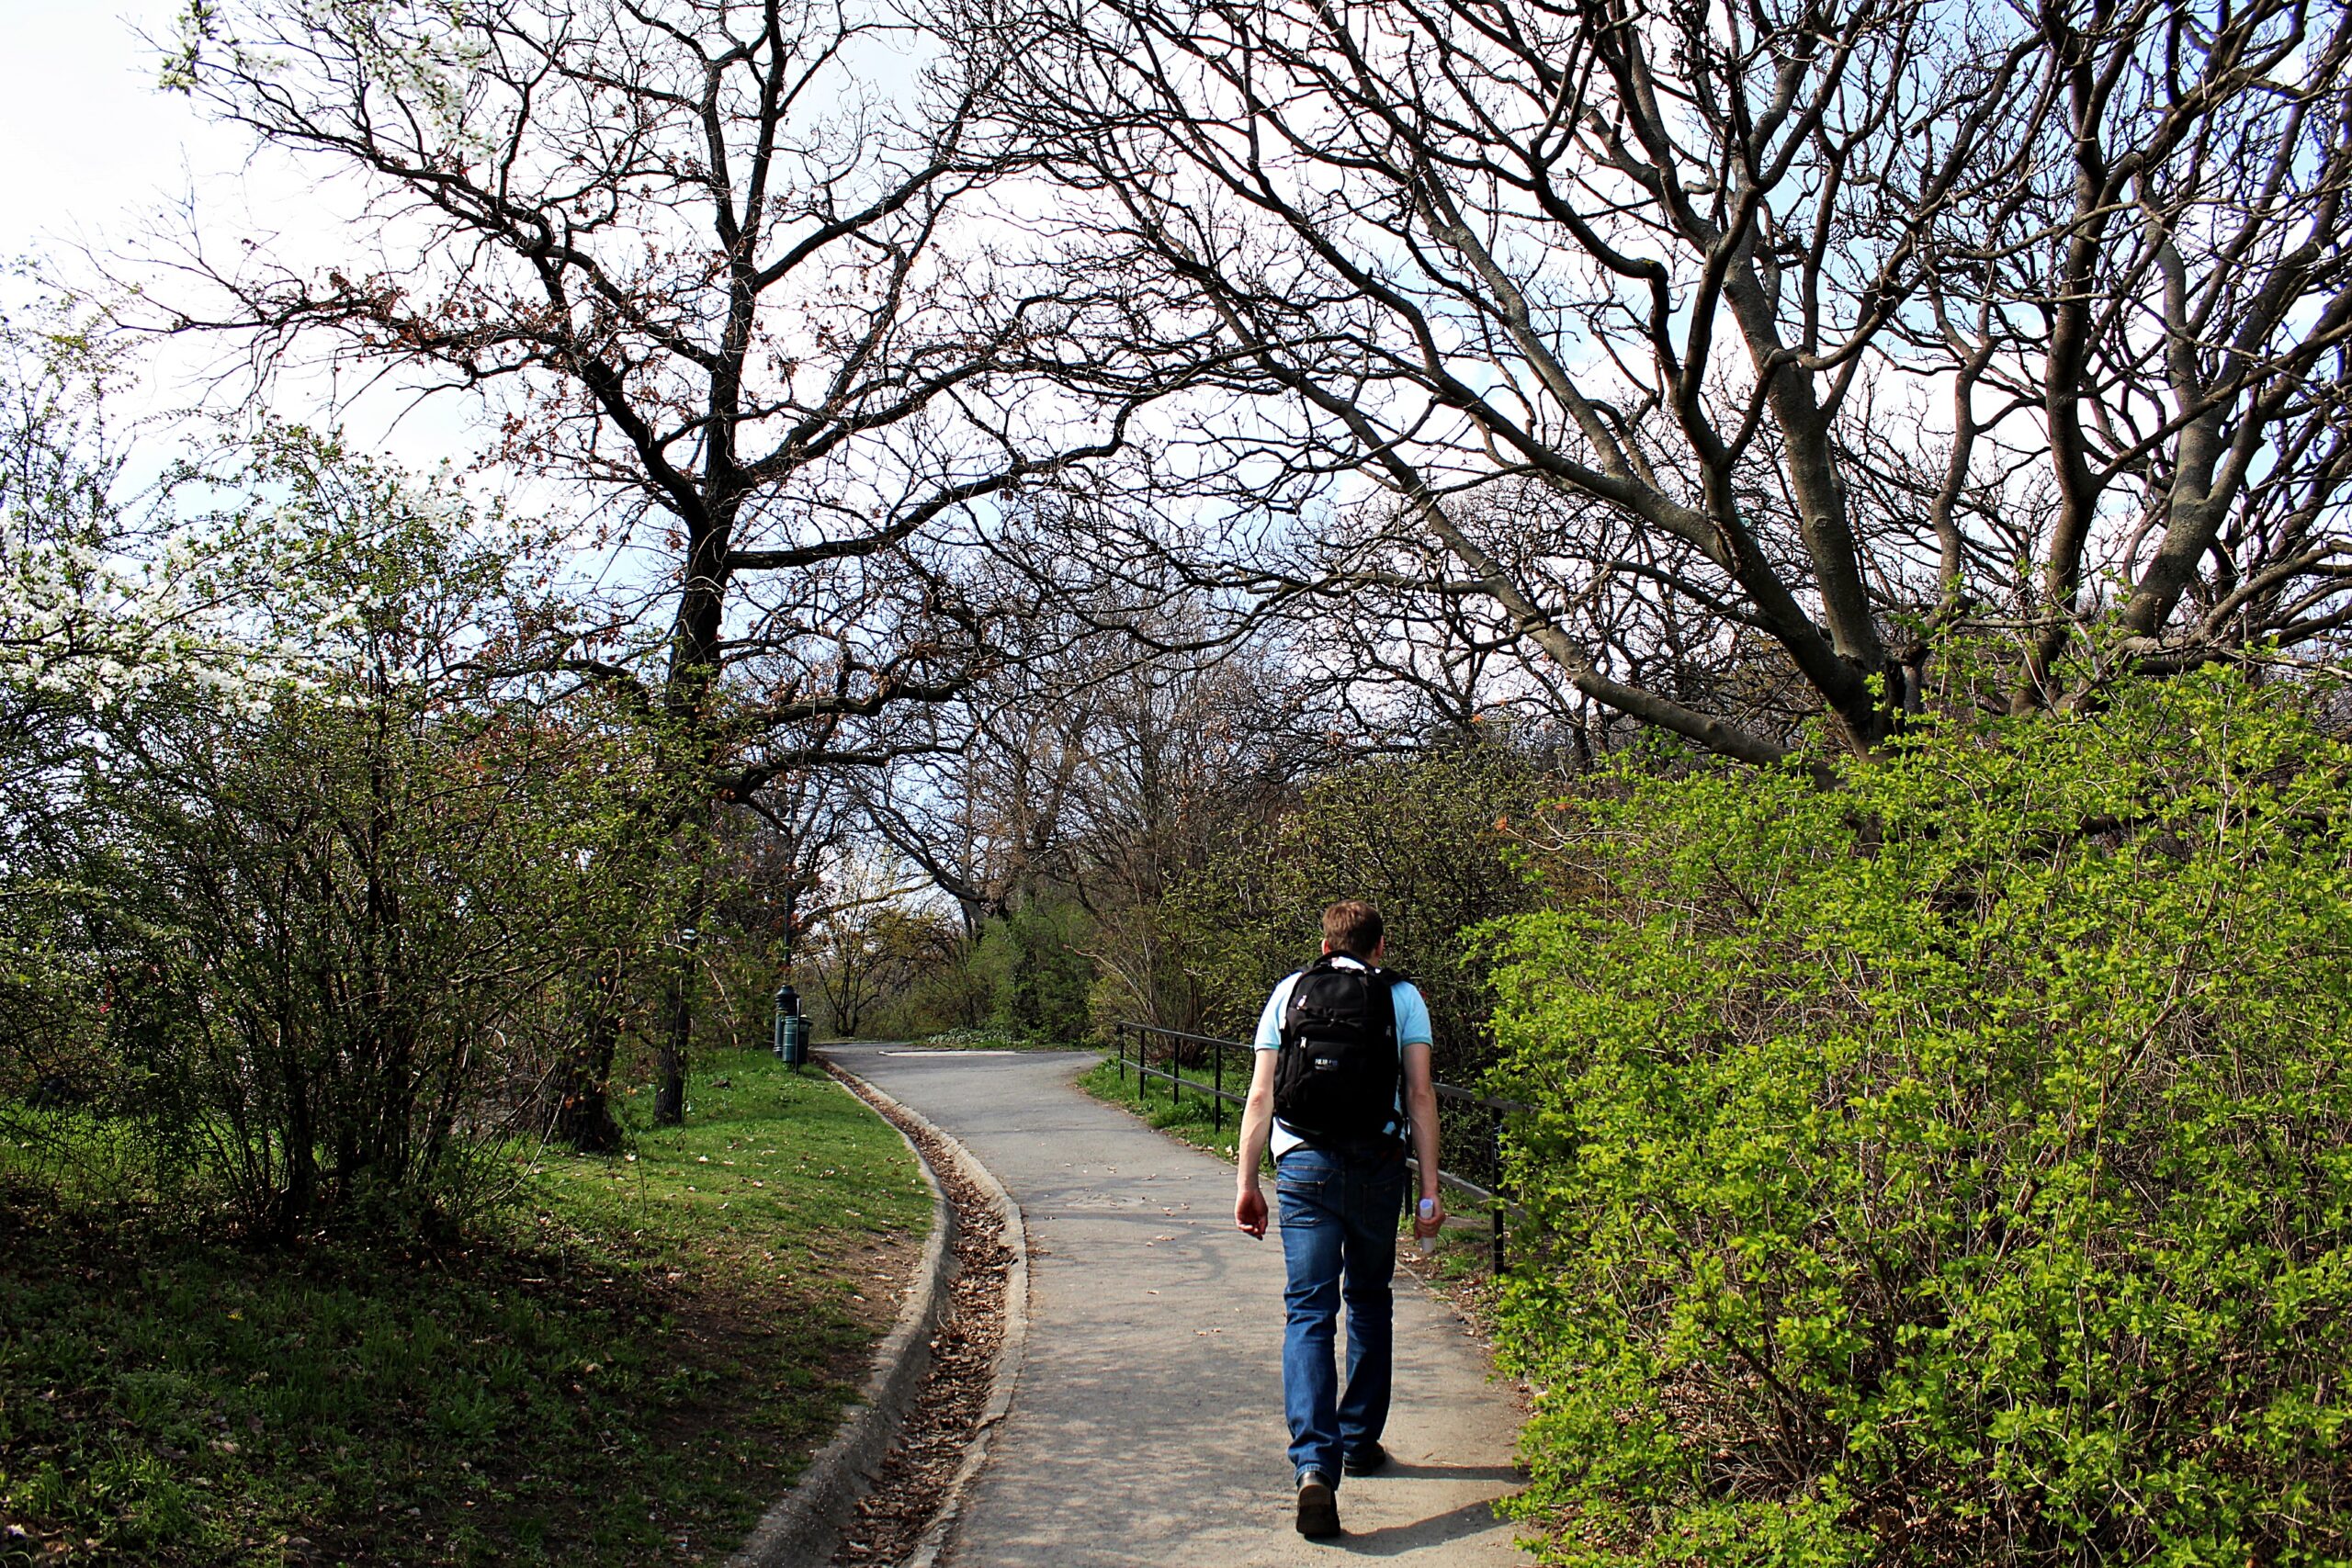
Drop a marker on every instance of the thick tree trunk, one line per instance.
(670, 1060)
(583, 1108)
(678, 1005)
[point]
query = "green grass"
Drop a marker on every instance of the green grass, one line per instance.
(1186, 1117)
(628, 1369)
(990, 1039)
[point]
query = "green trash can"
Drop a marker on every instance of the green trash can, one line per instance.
(791, 1029)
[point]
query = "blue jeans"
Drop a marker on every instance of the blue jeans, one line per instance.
(1339, 1219)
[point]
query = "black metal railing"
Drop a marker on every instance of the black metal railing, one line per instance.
(1134, 1044)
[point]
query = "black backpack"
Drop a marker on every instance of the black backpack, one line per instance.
(1337, 1074)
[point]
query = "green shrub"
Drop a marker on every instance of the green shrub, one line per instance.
(311, 953)
(1036, 962)
(1954, 1167)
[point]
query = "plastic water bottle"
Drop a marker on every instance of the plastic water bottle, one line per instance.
(1427, 1243)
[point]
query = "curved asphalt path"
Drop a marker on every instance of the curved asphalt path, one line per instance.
(1146, 1427)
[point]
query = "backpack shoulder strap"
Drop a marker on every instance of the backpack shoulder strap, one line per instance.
(1322, 966)
(1296, 983)
(1383, 986)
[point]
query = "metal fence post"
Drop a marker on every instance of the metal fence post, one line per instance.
(1494, 1159)
(1216, 1073)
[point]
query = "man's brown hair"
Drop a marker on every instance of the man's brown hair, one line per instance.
(1353, 927)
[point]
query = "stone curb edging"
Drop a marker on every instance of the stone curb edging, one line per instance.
(1004, 1372)
(803, 1528)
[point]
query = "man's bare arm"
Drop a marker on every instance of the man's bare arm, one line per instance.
(1257, 1129)
(1420, 1104)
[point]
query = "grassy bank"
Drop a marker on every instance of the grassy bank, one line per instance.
(989, 1039)
(1187, 1117)
(625, 1370)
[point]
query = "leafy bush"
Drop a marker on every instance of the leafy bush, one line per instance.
(314, 946)
(1036, 962)
(1954, 1167)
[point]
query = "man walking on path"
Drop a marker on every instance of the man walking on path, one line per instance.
(1342, 1081)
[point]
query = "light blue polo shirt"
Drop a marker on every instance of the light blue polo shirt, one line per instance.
(1412, 1029)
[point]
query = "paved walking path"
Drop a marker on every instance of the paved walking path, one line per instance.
(1147, 1431)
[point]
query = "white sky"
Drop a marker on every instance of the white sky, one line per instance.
(91, 145)
(92, 152)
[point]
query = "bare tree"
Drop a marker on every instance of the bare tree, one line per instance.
(710, 264)
(1826, 329)
(795, 827)
(985, 816)
(869, 941)
(1102, 767)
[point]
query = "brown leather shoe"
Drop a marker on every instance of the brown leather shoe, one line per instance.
(1318, 1510)
(1368, 1460)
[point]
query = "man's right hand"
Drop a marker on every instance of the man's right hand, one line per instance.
(1249, 1212)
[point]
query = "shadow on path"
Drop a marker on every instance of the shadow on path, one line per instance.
(1396, 1541)
(1507, 1474)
